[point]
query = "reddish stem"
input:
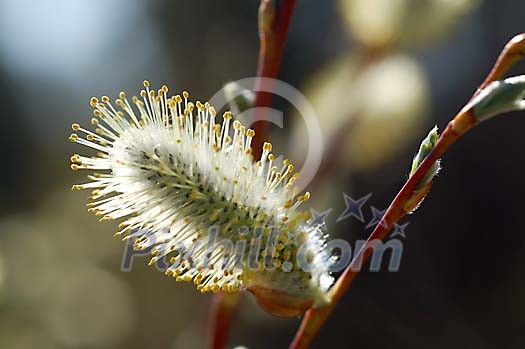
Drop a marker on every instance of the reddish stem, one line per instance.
(512, 52)
(273, 31)
(315, 318)
(221, 314)
(406, 198)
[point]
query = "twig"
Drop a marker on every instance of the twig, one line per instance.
(221, 314)
(273, 31)
(512, 52)
(405, 200)
(274, 22)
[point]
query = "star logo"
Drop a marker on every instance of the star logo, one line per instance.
(399, 230)
(354, 207)
(319, 218)
(377, 217)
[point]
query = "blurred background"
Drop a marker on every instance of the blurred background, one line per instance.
(379, 73)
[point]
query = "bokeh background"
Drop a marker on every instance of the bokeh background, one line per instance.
(380, 74)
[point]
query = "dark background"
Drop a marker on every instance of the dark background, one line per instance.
(460, 284)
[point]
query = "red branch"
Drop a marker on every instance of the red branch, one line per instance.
(406, 198)
(273, 31)
(221, 314)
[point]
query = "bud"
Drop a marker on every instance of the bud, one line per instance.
(500, 97)
(239, 98)
(267, 17)
(424, 149)
(423, 187)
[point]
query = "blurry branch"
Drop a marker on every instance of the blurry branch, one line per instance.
(274, 21)
(492, 98)
(221, 314)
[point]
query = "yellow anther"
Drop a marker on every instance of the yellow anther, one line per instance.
(271, 157)
(145, 83)
(73, 137)
(93, 101)
(250, 133)
(164, 88)
(185, 94)
(122, 94)
(227, 115)
(267, 146)
(75, 127)
(105, 99)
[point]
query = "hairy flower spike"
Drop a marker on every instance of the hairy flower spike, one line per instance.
(188, 188)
